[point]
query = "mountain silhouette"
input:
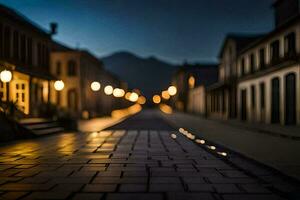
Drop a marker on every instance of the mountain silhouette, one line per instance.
(149, 75)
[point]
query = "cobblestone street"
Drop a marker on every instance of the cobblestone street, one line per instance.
(132, 163)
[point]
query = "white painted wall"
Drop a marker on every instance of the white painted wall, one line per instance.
(258, 115)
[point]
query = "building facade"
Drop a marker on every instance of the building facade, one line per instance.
(269, 71)
(187, 78)
(221, 96)
(78, 69)
(25, 51)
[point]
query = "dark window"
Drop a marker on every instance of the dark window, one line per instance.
(262, 56)
(253, 96)
(23, 48)
(39, 54)
(275, 52)
(47, 57)
(1, 40)
(290, 44)
(252, 63)
(58, 68)
(16, 44)
(7, 45)
(243, 67)
(262, 95)
(72, 68)
(29, 51)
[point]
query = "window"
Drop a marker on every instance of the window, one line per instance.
(253, 96)
(29, 51)
(72, 68)
(262, 56)
(275, 52)
(23, 48)
(262, 95)
(16, 44)
(58, 68)
(243, 67)
(39, 54)
(252, 63)
(1, 40)
(7, 39)
(290, 44)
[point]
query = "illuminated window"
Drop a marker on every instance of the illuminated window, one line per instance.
(192, 82)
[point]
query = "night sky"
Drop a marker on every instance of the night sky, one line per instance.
(173, 30)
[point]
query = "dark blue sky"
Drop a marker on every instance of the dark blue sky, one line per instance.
(173, 30)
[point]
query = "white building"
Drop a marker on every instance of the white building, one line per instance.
(269, 70)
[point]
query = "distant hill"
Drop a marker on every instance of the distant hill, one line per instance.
(150, 75)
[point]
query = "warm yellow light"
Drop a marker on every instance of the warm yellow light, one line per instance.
(166, 109)
(133, 97)
(95, 86)
(142, 100)
(118, 92)
(156, 99)
(165, 95)
(172, 90)
(59, 85)
(6, 76)
(108, 90)
(127, 95)
(192, 82)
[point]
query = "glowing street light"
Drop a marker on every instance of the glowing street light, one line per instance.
(165, 95)
(6, 76)
(59, 85)
(156, 99)
(95, 86)
(172, 90)
(133, 97)
(142, 100)
(118, 92)
(108, 90)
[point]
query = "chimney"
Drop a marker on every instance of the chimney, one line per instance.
(53, 28)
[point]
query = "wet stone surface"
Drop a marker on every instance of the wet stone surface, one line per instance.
(121, 164)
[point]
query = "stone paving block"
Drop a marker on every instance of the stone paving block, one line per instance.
(200, 187)
(166, 180)
(195, 179)
(133, 188)
(135, 196)
(100, 188)
(68, 187)
(254, 188)
(226, 188)
(107, 179)
(138, 173)
(87, 196)
(189, 196)
(13, 195)
(251, 197)
(49, 195)
(231, 180)
(25, 187)
(166, 188)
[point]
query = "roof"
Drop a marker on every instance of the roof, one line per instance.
(205, 74)
(60, 47)
(284, 26)
(241, 40)
(18, 17)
